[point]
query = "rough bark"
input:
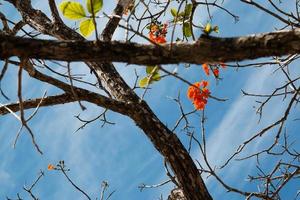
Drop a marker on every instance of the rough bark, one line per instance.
(206, 49)
(176, 194)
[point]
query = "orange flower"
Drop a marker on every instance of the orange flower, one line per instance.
(204, 83)
(215, 68)
(205, 92)
(51, 167)
(199, 105)
(206, 68)
(216, 72)
(160, 40)
(158, 33)
(193, 90)
(198, 93)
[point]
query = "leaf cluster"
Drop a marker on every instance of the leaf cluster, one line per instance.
(153, 75)
(75, 11)
(185, 18)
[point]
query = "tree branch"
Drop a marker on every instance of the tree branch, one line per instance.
(206, 49)
(60, 99)
(113, 22)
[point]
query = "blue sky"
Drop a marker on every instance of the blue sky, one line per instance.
(121, 154)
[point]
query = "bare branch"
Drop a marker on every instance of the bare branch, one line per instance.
(61, 167)
(21, 109)
(29, 190)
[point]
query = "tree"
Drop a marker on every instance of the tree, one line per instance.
(25, 45)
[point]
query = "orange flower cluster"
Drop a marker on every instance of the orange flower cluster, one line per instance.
(199, 93)
(215, 69)
(158, 33)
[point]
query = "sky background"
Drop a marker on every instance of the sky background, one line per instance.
(121, 154)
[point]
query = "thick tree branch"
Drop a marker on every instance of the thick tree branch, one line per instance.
(206, 49)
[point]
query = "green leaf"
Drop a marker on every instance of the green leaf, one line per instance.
(181, 14)
(174, 12)
(87, 27)
(144, 82)
(187, 30)
(152, 75)
(151, 69)
(97, 5)
(155, 77)
(72, 10)
(188, 10)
